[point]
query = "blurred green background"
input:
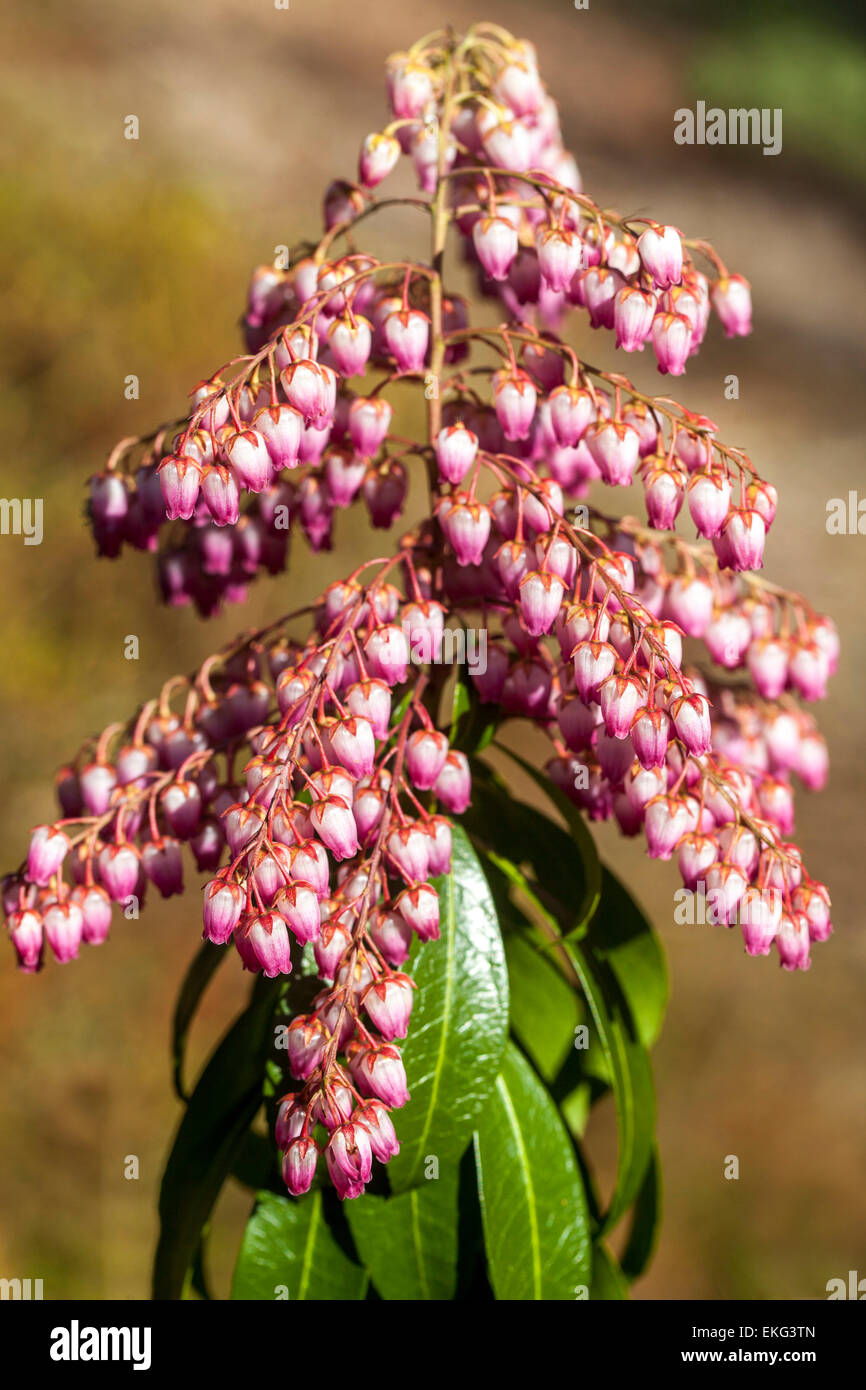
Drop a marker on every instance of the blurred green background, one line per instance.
(121, 257)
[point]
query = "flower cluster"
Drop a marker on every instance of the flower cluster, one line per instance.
(309, 778)
(324, 838)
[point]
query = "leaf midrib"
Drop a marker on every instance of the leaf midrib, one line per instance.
(443, 1034)
(416, 1234)
(511, 1116)
(306, 1266)
(623, 1091)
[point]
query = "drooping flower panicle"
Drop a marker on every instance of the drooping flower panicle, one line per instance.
(313, 778)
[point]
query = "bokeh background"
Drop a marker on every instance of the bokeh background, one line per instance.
(121, 257)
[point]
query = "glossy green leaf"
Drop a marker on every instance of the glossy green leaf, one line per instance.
(615, 1055)
(198, 1274)
(400, 709)
(645, 1222)
(256, 1164)
(616, 926)
(608, 1281)
(510, 918)
(541, 929)
(578, 831)
(630, 1071)
(575, 1108)
(203, 967)
(459, 1023)
(212, 1130)
(408, 1242)
(545, 1009)
(621, 935)
(534, 1209)
(516, 835)
(289, 1252)
(461, 703)
(473, 724)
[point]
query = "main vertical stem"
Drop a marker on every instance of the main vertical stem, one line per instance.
(439, 236)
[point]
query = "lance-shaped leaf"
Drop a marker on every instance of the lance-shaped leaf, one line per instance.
(459, 1023)
(536, 1221)
(220, 1111)
(578, 831)
(616, 1054)
(473, 724)
(631, 1076)
(545, 1009)
(621, 935)
(203, 966)
(256, 1164)
(645, 1222)
(517, 834)
(290, 1252)
(608, 1281)
(408, 1242)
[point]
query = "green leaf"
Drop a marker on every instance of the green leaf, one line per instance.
(203, 966)
(645, 1222)
(516, 834)
(289, 1251)
(400, 709)
(198, 1276)
(545, 1010)
(255, 1165)
(575, 1108)
(461, 703)
(608, 1281)
(459, 1023)
(616, 956)
(579, 833)
(621, 935)
(473, 724)
(220, 1111)
(615, 1055)
(630, 1072)
(510, 918)
(409, 1242)
(534, 1209)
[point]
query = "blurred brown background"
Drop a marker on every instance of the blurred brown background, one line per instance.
(121, 257)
